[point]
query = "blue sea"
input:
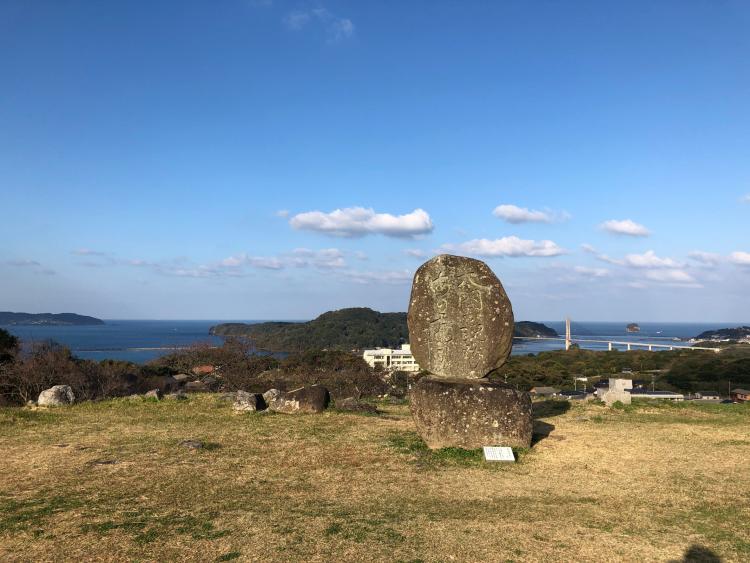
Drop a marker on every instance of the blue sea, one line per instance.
(140, 341)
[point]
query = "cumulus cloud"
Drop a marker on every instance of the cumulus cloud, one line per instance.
(740, 258)
(360, 221)
(511, 246)
(336, 28)
(625, 227)
(514, 214)
(649, 259)
(705, 258)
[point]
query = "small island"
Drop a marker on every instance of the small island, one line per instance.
(47, 319)
(633, 327)
(345, 329)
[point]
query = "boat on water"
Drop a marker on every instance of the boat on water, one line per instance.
(633, 327)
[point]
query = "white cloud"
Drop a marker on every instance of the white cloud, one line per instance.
(515, 214)
(740, 258)
(507, 246)
(298, 258)
(415, 253)
(283, 213)
(625, 227)
(593, 272)
(588, 248)
(672, 277)
(705, 258)
(336, 28)
(648, 259)
(391, 277)
(745, 198)
(359, 221)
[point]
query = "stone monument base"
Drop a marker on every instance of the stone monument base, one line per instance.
(470, 413)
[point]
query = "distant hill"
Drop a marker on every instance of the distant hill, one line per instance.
(346, 329)
(725, 334)
(47, 319)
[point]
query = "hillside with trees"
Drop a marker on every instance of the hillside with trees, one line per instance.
(346, 329)
(47, 319)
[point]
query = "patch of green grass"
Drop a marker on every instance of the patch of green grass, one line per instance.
(12, 416)
(411, 443)
(18, 515)
(145, 527)
(229, 556)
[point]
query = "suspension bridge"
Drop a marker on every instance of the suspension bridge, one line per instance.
(571, 339)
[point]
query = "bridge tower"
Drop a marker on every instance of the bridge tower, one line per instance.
(567, 333)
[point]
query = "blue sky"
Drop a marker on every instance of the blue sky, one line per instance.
(265, 159)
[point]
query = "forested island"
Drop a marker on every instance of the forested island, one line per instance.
(47, 319)
(346, 329)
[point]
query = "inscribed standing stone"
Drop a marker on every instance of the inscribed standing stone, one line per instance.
(460, 319)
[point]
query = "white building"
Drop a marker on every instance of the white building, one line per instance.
(394, 360)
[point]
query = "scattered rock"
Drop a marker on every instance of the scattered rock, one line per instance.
(312, 399)
(270, 395)
(227, 397)
(104, 462)
(192, 444)
(56, 396)
(469, 413)
(248, 402)
(182, 377)
(203, 370)
(176, 396)
(350, 404)
(153, 394)
(460, 318)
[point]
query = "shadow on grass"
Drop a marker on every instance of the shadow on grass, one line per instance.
(698, 554)
(548, 408)
(541, 431)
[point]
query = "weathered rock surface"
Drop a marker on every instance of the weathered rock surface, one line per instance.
(270, 395)
(153, 394)
(56, 396)
(312, 399)
(470, 414)
(248, 402)
(176, 396)
(460, 318)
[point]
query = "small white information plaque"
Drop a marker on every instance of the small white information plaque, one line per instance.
(498, 453)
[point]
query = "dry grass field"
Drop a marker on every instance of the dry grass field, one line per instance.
(110, 481)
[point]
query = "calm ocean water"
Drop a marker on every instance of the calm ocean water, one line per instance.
(141, 341)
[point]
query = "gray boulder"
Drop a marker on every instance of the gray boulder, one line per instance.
(312, 399)
(176, 396)
(56, 396)
(470, 414)
(153, 394)
(460, 318)
(248, 402)
(270, 395)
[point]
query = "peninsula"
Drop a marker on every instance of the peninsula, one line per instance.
(46, 319)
